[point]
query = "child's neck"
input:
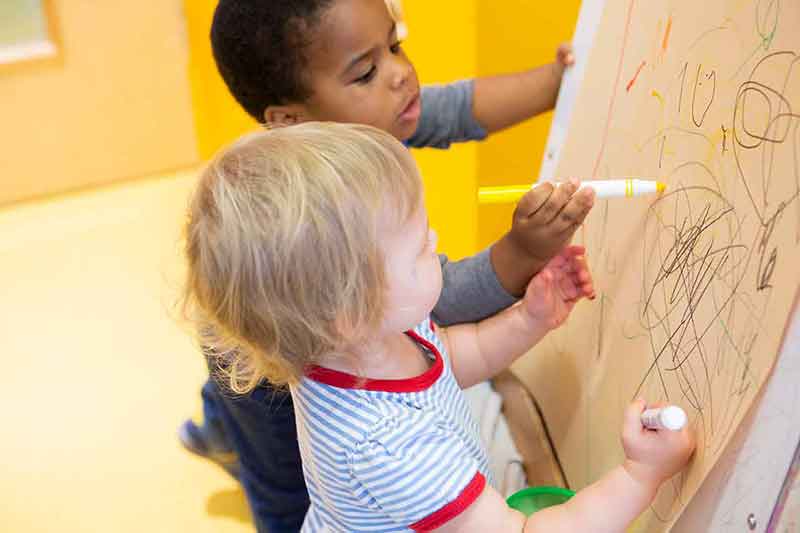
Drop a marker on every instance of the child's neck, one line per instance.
(393, 356)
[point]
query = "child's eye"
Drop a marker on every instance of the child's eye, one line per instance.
(366, 78)
(396, 47)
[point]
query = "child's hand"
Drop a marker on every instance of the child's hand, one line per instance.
(653, 456)
(564, 59)
(546, 218)
(553, 292)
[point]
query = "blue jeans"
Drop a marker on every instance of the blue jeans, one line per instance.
(260, 428)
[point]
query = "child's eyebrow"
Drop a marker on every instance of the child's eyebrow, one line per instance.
(361, 57)
(358, 59)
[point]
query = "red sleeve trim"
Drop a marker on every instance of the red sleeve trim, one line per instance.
(439, 518)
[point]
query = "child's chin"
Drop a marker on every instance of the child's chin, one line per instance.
(404, 131)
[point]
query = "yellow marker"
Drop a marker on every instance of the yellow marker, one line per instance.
(603, 189)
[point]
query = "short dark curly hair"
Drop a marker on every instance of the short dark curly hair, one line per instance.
(260, 47)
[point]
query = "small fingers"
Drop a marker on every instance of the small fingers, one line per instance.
(588, 290)
(578, 267)
(575, 211)
(574, 250)
(555, 203)
(570, 290)
(689, 437)
(633, 417)
(586, 280)
(534, 199)
(565, 54)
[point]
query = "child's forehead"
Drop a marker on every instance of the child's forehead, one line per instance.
(354, 25)
(402, 219)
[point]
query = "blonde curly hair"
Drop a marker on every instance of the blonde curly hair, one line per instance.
(283, 246)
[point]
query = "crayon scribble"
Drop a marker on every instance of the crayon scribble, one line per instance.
(665, 42)
(633, 80)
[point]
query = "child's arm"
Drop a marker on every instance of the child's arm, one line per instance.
(504, 100)
(479, 351)
(468, 110)
(606, 506)
(470, 291)
(447, 116)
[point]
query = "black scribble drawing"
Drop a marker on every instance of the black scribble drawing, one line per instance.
(682, 75)
(694, 279)
(708, 263)
(706, 95)
(694, 265)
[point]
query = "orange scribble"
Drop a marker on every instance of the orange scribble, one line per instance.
(665, 43)
(633, 80)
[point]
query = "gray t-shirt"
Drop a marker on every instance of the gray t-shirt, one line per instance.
(471, 291)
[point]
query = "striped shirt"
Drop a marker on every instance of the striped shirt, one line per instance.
(388, 455)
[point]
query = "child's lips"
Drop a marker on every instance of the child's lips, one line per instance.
(412, 110)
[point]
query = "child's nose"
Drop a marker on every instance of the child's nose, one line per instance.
(401, 72)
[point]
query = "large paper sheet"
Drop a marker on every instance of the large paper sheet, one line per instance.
(695, 286)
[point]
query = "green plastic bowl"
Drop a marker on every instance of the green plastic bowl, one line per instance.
(528, 501)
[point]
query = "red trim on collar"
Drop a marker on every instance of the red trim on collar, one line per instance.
(467, 497)
(343, 380)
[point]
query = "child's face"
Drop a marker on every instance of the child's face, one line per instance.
(413, 273)
(359, 73)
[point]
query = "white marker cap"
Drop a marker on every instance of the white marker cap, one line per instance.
(673, 417)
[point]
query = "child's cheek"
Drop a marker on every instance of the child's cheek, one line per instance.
(408, 280)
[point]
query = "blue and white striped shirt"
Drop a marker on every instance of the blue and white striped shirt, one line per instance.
(388, 455)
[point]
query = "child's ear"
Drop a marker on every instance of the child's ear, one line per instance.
(284, 115)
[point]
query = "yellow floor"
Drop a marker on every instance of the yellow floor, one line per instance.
(96, 372)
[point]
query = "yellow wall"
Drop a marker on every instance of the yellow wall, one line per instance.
(514, 35)
(218, 117)
(442, 44)
(114, 105)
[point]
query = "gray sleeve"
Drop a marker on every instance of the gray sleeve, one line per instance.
(470, 291)
(446, 116)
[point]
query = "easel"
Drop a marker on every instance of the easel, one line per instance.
(741, 492)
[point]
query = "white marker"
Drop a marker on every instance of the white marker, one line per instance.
(624, 188)
(670, 417)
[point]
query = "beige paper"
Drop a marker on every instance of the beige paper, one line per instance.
(695, 287)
